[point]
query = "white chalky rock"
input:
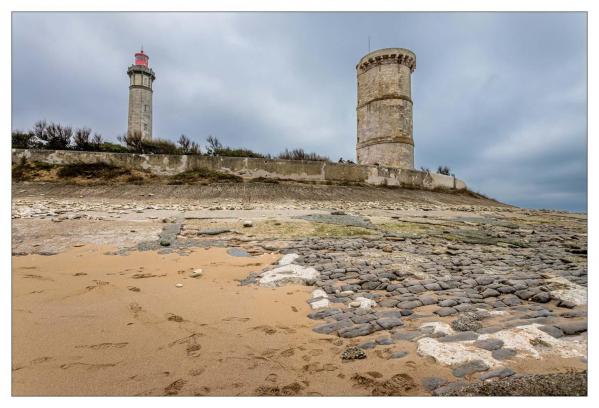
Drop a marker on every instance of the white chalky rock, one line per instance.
(286, 274)
(179, 285)
(247, 223)
(519, 338)
(288, 259)
(567, 291)
(439, 327)
(454, 353)
(365, 303)
(321, 299)
(196, 273)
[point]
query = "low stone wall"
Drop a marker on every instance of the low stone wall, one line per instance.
(163, 164)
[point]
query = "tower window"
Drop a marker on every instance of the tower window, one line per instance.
(145, 126)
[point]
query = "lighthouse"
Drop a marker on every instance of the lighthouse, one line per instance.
(141, 79)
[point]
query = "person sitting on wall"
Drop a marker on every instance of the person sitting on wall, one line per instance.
(341, 160)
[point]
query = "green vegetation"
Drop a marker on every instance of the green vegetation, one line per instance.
(92, 171)
(28, 171)
(203, 176)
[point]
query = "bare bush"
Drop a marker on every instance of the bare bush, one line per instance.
(300, 154)
(443, 170)
(187, 146)
(81, 139)
(53, 136)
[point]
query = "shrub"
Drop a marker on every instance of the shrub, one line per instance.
(187, 146)
(215, 148)
(22, 140)
(300, 154)
(112, 148)
(444, 170)
(81, 139)
(92, 170)
(203, 175)
(136, 143)
(57, 137)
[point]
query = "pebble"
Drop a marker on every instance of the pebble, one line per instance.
(247, 223)
(179, 285)
(196, 273)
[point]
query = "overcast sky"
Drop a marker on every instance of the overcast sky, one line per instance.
(498, 97)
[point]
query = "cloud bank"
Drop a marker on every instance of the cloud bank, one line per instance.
(499, 97)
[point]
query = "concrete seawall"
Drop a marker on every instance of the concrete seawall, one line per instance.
(164, 164)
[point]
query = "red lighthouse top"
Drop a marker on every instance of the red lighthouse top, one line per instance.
(141, 58)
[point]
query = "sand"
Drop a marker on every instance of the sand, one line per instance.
(86, 322)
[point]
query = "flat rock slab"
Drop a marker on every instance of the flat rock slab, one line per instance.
(347, 220)
(398, 354)
(445, 311)
(504, 353)
(237, 252)
(431, 383)
(571, 328)
(214, 231)
(489, 344)
(462, 336)
(497, 373)
(356, 330)
(287, 274)
(470, 367)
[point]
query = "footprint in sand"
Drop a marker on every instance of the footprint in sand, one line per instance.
(143, 275)
(102, 346)
(171, 317)
(88, 366)
(293, 308)
(135, 308)
(38, 277)
(98, 284)
(202, 391)
(40, 360)
(286, 329)
(193, 350)
(272, 377)
(266, 329)
(236, 319)
(174, 387)
(196, 371)
(287, 353)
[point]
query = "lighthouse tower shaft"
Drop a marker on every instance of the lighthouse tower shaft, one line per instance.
(384, 111)
(141, 79)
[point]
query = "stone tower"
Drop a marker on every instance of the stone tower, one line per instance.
(385, 108)
(141, 78)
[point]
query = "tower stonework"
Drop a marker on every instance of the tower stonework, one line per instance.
(384, 108)
(141, 79)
